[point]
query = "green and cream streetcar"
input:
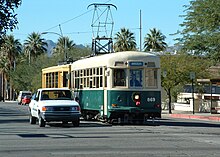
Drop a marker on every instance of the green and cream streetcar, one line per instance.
(118, 87)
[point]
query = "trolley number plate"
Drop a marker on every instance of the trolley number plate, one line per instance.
(152, 99)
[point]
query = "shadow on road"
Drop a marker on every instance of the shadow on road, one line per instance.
(82, 124)
(190, 123)
(22, 120)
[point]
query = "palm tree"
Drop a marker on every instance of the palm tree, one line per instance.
(125, 41)
(34, 45)
(155, 41)
(10, 49)
(64, 44)
(4, 69)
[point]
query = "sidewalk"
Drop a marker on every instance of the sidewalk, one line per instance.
(190, 115)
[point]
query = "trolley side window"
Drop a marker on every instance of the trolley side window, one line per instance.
(136, 78)
(65, 79)
(151, 77)
(47, 80)
(52, 79)
(119, 77)
(89, 78)
(56, 79)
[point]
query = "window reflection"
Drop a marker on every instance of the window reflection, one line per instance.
(151, 77)
(136, 78)
(119, 77)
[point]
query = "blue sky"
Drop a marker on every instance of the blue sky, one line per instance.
(75, 19)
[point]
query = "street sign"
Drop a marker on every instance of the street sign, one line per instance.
(192, 75)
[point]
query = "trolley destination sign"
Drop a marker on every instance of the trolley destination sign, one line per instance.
(136, 63)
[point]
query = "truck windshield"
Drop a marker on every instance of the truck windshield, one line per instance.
(56, 95)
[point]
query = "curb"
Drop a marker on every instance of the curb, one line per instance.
(199, 117)
(10, 101)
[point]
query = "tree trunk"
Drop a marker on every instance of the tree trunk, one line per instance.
(169, 99)
(3, 86)
(11, 92)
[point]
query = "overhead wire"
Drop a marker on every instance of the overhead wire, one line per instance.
(89, 32)
(58, 25)
(72, 18)
(69, 20)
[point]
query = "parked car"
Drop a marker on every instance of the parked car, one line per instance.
(1, 98)
(26, 100)
(22, 94)
(54, 104)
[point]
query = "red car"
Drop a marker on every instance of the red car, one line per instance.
(26, 100)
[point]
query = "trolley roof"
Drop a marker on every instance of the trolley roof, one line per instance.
(64, 67)
(109, 60)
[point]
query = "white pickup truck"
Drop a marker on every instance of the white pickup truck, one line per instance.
(54, 104)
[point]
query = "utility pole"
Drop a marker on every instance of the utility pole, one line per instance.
(140, 32)
(192, 77)
(65, 52)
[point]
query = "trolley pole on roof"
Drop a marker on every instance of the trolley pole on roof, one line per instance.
(140, 32)
(102, 28)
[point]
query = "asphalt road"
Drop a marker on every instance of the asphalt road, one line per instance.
(167, 138)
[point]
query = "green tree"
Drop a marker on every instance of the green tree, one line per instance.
(29, 77)
(201, 28)
(176, 72)
(8, 20)
(124, 41)
(77, 53)
(10, 49)
(155, 40)
(34, 45)
(64, 45)
(4, 69)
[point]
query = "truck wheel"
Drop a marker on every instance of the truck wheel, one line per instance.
(32, 119)
(76, 122)
(64, 122)
(41, 122)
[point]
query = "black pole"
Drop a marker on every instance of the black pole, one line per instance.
(193, 96)
(211, 97)
(140, 32)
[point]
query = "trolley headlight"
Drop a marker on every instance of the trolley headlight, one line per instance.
(136, 97)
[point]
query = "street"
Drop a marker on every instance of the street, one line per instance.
(169, 137)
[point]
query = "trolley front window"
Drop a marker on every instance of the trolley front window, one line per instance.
(136, 78)
(151, 77)
(119, 77)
